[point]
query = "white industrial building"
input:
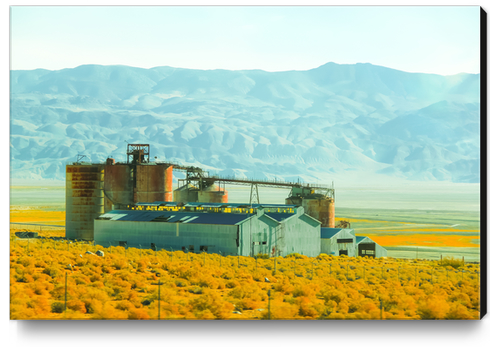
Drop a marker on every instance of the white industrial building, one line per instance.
(199, 230)
(338, 241)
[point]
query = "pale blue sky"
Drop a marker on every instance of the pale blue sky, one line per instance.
(442, 40)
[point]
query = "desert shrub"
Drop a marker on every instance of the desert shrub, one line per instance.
(57, 307)
(125, 305)
(232, 284)
(195, 290)
(281, 311)
(76, 305)
(181, 283)
(433, 307)
(52, 271)
(451, 261)
(246, 304)
(296, 256)
(138, 314)
(107, 311)
(458, 311)
(214, 303)
(263, 256)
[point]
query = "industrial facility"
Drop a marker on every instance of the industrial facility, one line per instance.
(133, 204)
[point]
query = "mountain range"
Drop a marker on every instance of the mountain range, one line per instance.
(359, 121)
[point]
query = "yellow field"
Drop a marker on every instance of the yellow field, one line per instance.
(123, 284)
(30, 215)
(424, 240)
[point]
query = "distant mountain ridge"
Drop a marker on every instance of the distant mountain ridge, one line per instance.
(321, 123)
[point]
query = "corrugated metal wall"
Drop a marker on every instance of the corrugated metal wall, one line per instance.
(332, 247)
(168, 235)
(258, 234)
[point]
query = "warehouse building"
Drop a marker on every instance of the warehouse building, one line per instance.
(273, 230)
(337, 241)
(368, 248)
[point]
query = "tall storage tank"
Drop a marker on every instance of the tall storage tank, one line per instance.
(186, 193)
(322, 208)
(153, 182)
(213, 194)
(118, 186)
(84, 199)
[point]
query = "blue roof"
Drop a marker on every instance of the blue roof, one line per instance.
(360, 238)
(174, 217)
(327, 233)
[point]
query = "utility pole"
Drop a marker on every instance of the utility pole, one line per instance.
(66, 288)
(269, 294)
(159, 284)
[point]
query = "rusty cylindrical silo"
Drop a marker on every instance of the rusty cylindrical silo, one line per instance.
(118, 186)
(213, 194)
(153, 182)
(186, 193)
(322, 208)
(84, 199)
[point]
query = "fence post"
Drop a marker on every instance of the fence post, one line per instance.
(275, 266)
(256, 260)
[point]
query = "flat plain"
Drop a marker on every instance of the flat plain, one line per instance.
(424, 221)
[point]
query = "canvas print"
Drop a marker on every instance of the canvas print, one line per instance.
(245, 163)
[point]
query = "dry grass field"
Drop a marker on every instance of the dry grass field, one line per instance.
(123, 284)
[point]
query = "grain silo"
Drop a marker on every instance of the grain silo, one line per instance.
(213, 193)
(186, 193)
(320, 207)
(118, 185)
(92, 189)
(84, 199)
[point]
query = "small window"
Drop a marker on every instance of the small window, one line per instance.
(203, 248)
(363, 251)
(191, 248)
(263, 243)
(183, 248)
(153, 246)
(369, 251)
(123, 243)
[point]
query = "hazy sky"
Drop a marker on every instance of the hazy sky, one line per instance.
(442, 40)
